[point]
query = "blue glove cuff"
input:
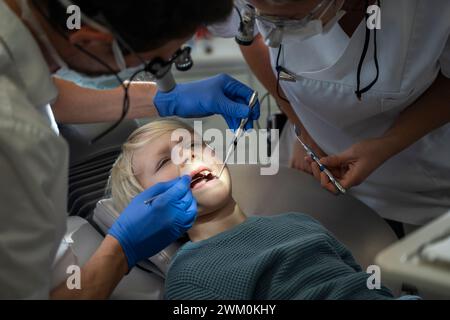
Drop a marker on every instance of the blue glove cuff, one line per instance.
(164, 104)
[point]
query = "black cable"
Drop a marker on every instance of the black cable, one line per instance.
(278, 68)
(269, 105)
(363, 55)
(359, 92)
(126, 102)
(239, 13)
(261, 102)
(370, 85)
(125, 109)
(125, 86)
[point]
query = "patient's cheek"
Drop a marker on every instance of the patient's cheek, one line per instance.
(167, 176)
(169, 173)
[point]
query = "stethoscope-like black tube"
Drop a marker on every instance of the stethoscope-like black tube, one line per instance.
(359, 92)
(279, 68)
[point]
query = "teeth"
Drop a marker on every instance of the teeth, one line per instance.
(205, 174)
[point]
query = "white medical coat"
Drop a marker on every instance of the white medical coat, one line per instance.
(413, 47)
(33, 166)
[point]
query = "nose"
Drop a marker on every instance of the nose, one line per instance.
(189, 159)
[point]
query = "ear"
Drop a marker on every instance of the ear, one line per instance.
(87, 35)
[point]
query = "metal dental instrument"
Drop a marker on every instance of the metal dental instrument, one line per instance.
(237, 135)
(315, 158)
(149, 201)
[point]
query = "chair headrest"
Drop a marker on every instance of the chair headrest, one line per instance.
(105, 215)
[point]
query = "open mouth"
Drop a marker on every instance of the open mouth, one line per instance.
(202, 177)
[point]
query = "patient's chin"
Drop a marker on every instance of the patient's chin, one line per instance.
(213, 198)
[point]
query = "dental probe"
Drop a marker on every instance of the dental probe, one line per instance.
(233, 144)
(322, 168)
(148, 201)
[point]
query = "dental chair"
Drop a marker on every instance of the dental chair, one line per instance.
(352, 222)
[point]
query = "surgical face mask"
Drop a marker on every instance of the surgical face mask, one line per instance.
(98, 82)
(279, 30)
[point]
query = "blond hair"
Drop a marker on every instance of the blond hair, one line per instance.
(123, 185)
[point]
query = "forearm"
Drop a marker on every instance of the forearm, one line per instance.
(76, 104)
(258, 58)
(429, 112)
(100, 275)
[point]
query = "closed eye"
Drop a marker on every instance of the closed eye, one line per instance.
(162, 163)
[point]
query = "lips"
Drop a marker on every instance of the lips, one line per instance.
(201, 176)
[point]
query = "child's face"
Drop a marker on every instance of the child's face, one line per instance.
(153, 164)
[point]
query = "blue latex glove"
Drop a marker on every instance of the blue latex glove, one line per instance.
(145, 229)
(217, 95)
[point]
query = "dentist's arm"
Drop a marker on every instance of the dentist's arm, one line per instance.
(76, 104)
(216, 95)
(141, 231)
(101, 274)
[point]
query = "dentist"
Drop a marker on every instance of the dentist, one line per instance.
(368, 83)
(35, 42)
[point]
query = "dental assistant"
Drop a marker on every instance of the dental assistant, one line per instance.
(368, 83)
(34, 42)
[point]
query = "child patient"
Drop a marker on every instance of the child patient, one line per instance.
(229, 255)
